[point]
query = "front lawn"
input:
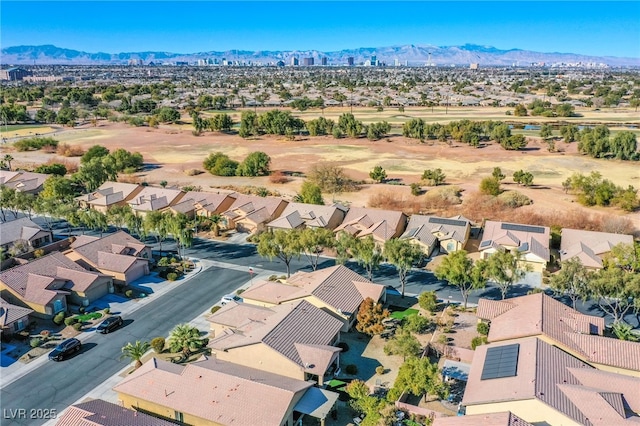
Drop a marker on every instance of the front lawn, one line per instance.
(403, 314)
(88, 317)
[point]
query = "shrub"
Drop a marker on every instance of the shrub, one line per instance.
(477, 341)
(193, 172)
(45, 334)
(351, 369)
(172, 276)
(215, 309)
(416, 189)
(67, 150)
(35, 342)
(77, 326)
(163, 262)
(59, 318)
(70, 321)
(428, 301)
(278, 177)
(490, 186)
(416, 324)
(158, 344)
(514, 199)
(34, 144)
(107, 311)
(173, 260)
(483, 328)
(38, 253)
(379, 370)
(129, 294)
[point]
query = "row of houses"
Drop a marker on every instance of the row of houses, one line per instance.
(549, 364)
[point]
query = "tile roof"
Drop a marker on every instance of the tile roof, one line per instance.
(10, 313)
(273, 292)
(311, 215)
(41, 279)
(538, 314)
(211, 201)
(244, 317)
(110, 193)
(20, 229)
(220, 392)
(115, 252)
(152, 198)
(423, 228)
(525, 238)
(588, 396)
(291, 324)
(589, 246)
(98, 412)
(383, 223)
(23, 181)
(505, 418)
(249, 203)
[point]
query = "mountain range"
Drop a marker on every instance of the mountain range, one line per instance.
(413, 54)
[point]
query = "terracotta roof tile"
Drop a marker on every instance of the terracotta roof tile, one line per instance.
(102, 413)
(10, 313)
(490, 419)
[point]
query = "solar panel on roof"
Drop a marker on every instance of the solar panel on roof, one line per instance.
(451, 222)
(522, 228)
(501, 361)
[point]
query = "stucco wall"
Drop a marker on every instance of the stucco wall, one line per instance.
(532, 410)
(263, 358)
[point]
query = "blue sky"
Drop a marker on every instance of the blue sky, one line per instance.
(586, 27)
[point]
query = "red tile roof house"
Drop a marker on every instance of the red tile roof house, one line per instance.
(337, 290)
(300, 216)
(108, 195)
(204, 204)
(13, 318)
(120, 255)
(250, 213)
(27, 182)
(25, 230)
(294, 339)
(532, 242)
(588, 246)
(505, 418)
(44, 284)
(154, 199)
(543, 384)
(433, 232)
(213, 392)
(554, 322)
(381, 224)
(98, 412)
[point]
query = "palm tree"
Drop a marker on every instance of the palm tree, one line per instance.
(135, 351)
(215, 224)
(8, 159)
(185, 338)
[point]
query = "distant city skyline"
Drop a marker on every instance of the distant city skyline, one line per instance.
(581, 27)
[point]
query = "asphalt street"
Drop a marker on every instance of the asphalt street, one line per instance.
(56, 385)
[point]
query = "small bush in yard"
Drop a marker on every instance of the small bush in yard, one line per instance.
(129, 294)
(215, 309)
(379, 370)
(107, 311)
(483, 328)
(172, 276)
(158, 344)
(70, 321)
(45, 333)
(351, 369)
(344, 346)
(77, 326)
(59, 318)
(35, 342)
(477, 341)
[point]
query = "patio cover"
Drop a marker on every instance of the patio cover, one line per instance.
(316, 402)
(456, 370)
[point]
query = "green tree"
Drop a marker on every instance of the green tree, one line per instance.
(520, 110)
(344, 245)
(514, 142)
(178, 225)
(377, 131)
(248, 124)
(220, 122)
(419, 376)
(330, 178)
(490, 186)
(310, 193)
(8, 158)
(185, 338)
(135, 351)
(546, 131)
(564, 110)
(255, 164)
(313, 241)
(428, 300)
(504, 268)
(370, 316)
(167, 115)
(624, 146)
(624, 331)
(95, 172)
(215, 220)
(320, 126)
(523, 178)
(403, 255)
(434, 177)
(58, 188)
(572, 281)
(497, 174)
(117, 215)
(403, 343)
(157, 222)
(284, 245)
(96, 151)
(52, 169)
(616, 291)
(219, 164)
(457, 269)
(367, 253)
(349, 125)
(94, 219)
(378, 174)
(569, 133)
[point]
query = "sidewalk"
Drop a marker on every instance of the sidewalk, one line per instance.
(118, 305)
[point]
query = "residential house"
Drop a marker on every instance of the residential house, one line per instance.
(382, 225)
(542, 384)
(294, 340)
(98, 412)
(432, 232)
(209, 203)
(154, 199)
(589, 247)
(557, 324)
(109, 194)
(25, 231)
(337, 290)
(21, 181)
(506, 418)
(119, 255)
(250, 213)
(532, 242)
(13, 318)
(300, 215)
(214, 392)
(44, 284)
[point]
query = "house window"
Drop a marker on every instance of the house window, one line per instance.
(179, 416)
(451, 247)
(18, 325)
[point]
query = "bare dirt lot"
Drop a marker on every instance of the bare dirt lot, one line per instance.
(175, 150)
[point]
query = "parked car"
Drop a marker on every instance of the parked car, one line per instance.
(110, 324)
(65, 349)
(230, 298)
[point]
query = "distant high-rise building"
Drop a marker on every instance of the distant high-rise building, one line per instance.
(473, 66)
(307, 62)
(294, 61)
(396, 62)
(280, 64)
(350, 61)
(374, 60)
(323, 61)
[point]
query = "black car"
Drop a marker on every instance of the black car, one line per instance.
(110, 324)
(65, 349)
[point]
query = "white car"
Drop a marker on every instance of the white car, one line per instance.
(230, 298)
